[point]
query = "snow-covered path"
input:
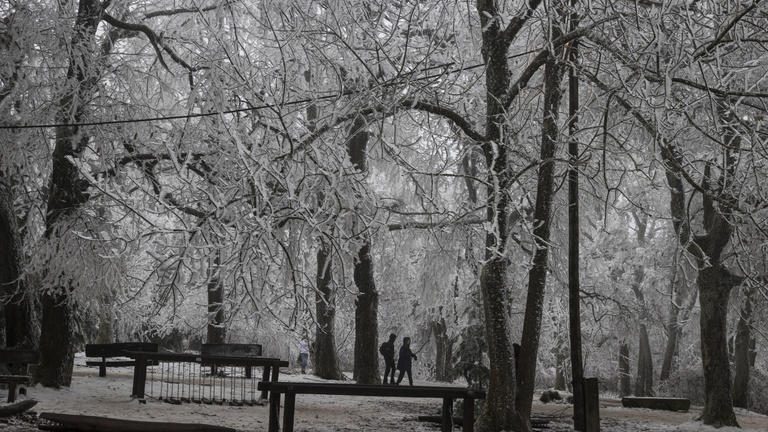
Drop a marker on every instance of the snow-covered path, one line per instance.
(109, 397)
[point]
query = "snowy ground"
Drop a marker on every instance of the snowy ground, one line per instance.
(109, 397)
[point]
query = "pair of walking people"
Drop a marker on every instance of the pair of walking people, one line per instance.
(404, 360)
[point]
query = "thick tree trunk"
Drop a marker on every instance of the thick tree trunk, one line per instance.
(644, 378)
(326, 359)
(625, 385)
(537, 276)
(499, 413)
(714, 292)
(366, 369)
(17, 311)
(742, 355)
(57, 342)
(217, 332)
(66, 194)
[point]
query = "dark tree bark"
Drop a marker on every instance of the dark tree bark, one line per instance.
(715, 282)
(67, 193)
(574, 293)
(326, 359)
(216, 330)
(644, 378)
(742, 355)
(17, 311)
(625, 385)
(674, 329)
(366, 368)
(537, 276)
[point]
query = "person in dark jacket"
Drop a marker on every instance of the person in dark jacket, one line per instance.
(387, 350)
(404, 360)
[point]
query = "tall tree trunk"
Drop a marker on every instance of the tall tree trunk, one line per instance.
(217, 332)
(625, 385)
(537, 276)
(574, 293)
(66, 194)
(644, 377)
(443, 350)
(714, 290)
(500, 412)
(742, 357)
(366, 368)
(326, 359)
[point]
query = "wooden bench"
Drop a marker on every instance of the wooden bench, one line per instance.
(657, 403)
(447, 394)
(17, 360)
(106, 351)
(143, 359)
(230, 350)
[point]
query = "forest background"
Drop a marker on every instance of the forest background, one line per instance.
(239, 171)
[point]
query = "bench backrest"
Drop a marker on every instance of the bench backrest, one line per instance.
(118, 349)
(231, 350)
(19, 356)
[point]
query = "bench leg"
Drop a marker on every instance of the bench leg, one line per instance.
(139, 377)
(265, 378)
(274, 412)
(290, 406)
(447, 423)
(103, 367)
(248, 374)
(469, 415)
(11, 392)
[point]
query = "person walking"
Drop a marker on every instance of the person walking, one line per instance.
(303, 354)
(387, 350)
(404, 361)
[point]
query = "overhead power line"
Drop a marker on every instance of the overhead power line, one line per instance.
(398, 80)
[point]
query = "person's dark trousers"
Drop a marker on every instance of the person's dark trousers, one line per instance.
(400, 377)
(390, 367)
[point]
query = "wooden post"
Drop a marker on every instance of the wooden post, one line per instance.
(11, 392)
(469, 415)
(447, 423)
(248, 374)
(591, 405)
(139, 376)
(290, 406)
(265, 378)
(103, 367)
(274, 412)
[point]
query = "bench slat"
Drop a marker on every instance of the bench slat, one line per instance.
(118, 349)
(660, 403)
(19, 356)
(18, 379)
(372, 390)
(112, 363)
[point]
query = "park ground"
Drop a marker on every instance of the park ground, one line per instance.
(109, 397)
